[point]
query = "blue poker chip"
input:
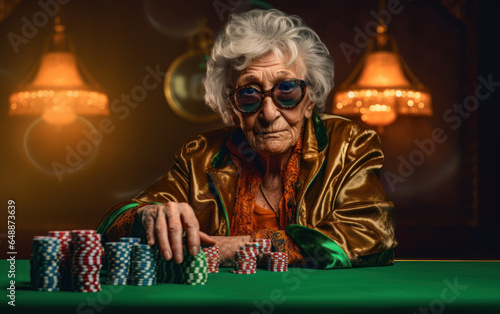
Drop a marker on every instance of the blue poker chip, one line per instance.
(130, 239)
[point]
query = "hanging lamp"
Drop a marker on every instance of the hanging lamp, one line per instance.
(59, 88)
(382, 86)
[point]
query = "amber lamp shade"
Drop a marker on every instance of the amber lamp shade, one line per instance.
(58, 88)
(382, 86)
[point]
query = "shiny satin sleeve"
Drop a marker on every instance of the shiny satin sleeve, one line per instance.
(182, 183)
(360, 218)
(119, 220)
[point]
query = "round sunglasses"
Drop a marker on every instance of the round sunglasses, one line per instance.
(286, 94)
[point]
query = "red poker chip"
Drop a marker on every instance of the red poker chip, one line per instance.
(81, 278)
(243, 272)
(90, 288)
(86, 279)
(246, 268)
(91, 254)
(245, 253)
(89, 245)
(86, 241)
(84, 266)
(277, 265)
(85, 270)
(246, 256)
(89, 250)
(84, 231)
(77, 272)
(81, 256)
(87, 262)
(278, 270)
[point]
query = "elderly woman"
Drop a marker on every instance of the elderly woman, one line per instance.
(281, 170)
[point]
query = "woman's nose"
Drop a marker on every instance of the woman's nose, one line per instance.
(269, 110)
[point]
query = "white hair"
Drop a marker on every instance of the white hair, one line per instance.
(253, 34)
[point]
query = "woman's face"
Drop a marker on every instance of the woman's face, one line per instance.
(273, 130)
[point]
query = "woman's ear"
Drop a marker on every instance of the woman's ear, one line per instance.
(309, 109)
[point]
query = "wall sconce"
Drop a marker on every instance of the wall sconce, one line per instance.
(59, 88)
(382, 86)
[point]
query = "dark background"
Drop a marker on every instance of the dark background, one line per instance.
(446, 209)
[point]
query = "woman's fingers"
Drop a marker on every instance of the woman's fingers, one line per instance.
(165, 224)
(206, 240)
(175, 230)
(148, 221)
(160, 230)
(192, 227)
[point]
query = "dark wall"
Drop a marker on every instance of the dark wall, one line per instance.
(438, 210)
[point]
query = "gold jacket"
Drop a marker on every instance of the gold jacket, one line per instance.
(338, 194)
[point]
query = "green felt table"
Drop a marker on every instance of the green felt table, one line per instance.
(406, 287)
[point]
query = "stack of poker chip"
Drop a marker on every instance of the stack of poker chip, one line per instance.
(169, 271)
(118, 262)
(142, 265)
(66, 257)
(130, 240)
(246, 259)
(194, 268)
(265, 245)
(213, 258)
(45, 263)
(277, 261)
(87, 260)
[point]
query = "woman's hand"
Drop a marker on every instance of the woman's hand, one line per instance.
(166, 223)
(227, 247)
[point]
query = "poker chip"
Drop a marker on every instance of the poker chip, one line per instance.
(130, 240)
(265, 245)
(169, 271)
(244, 272)
(86, 260)
(142, 270)
(194, 268)
(118, 262)
(246, 259)
(45, 262)
(277, 261)
(213, 258)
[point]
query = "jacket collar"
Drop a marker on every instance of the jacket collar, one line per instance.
(315, 141)
(224, 173)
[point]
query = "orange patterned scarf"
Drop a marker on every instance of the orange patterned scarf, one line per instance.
(249, 181)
